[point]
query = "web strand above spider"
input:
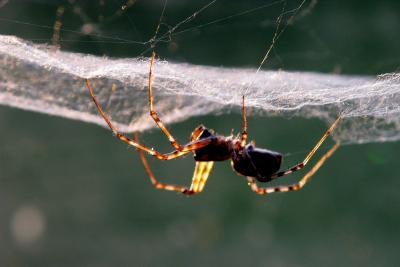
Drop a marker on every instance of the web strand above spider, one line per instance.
(207, 147)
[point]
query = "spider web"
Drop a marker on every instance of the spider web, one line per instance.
(42, 79)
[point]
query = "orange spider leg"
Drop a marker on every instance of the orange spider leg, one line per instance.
(196, 133)
(154, 114)
(184, 149)
(296, 186)
(311, 154)
(200, 176)
(244, 131)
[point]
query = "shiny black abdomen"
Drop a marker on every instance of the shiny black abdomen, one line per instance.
(257, 162)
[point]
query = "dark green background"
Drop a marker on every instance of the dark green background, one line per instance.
(99, 205)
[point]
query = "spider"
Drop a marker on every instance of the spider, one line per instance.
(207, 147)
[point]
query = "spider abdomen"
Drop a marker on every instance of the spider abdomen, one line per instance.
(257, 162)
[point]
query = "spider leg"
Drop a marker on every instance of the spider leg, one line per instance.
(196, 133)
(154, 114)
(293, 187)
(311, 154)
(174, 154)
(244, 131)
(200, 176)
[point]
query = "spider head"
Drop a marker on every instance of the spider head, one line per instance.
(257, 162)
(201, 132)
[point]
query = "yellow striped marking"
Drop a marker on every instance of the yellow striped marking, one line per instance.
(200, 175)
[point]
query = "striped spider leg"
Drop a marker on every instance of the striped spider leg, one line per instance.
(297, 186)
(201, 172)
(196, 144)
(154, 114)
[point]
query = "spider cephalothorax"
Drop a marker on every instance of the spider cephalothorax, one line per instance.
(219, 148)
(207, 147)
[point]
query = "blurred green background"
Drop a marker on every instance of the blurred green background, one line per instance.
(71, 195)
